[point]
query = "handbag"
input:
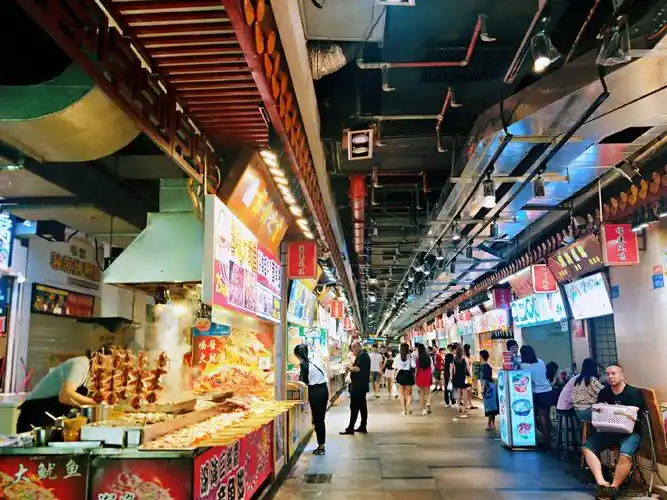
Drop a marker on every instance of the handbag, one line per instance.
(450, 386)
(614, 418)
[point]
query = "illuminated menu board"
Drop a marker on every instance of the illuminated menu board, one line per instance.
(239, 272)
(581, 257)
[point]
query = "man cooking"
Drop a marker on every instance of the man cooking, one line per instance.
(58, 392)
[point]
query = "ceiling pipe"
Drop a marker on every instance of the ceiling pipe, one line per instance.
(357, 195)
(581, 31)
(448, 100)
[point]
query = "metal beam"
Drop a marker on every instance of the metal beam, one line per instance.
(502, 179)
(91, 185)
(42, 201)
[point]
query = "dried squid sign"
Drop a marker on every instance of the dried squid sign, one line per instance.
(240, 273)
(54, 477)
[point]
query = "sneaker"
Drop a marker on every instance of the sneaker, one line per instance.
(428, 409)
(319, 451)
(395, 396)
(424, 411)
(404, 413)
(410, 411)
(377, 396)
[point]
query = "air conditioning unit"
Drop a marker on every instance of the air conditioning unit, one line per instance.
(360, 144)
(404, 3)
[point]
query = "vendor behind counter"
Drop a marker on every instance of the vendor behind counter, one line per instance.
(61, 390)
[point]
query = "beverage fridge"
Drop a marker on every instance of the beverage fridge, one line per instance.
(517, 415)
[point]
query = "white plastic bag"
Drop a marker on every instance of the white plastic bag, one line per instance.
(450, 386)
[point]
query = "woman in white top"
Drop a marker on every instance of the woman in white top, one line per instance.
(388, 371)
(543, 398)
(312, 374)
(405, 366)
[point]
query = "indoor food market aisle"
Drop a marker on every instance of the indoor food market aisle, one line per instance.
(427, 458)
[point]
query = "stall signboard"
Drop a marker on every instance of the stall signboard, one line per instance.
(6, 241)
(251, 203)
(522, 283)
(589, 297)
(543, 279)
(337, 309)
(538, 309)
(302, 259)
(491, 321)
(313, 337)
(581, 257)
(240, 273)
(58, 477)
(301, 305)
(620, 246)
(474, 301)
(57, 302)
(235, 471)
(347, 323)
(502, 297)
(122, 479)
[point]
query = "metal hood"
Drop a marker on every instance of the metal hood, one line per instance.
(169, 250)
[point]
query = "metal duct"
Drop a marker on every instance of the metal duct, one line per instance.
(328, 57)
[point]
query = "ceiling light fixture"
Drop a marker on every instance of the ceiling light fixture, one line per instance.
(615, 47)
(488, 193)
(456, 232)
(411, 278)
(493, 230)
(539, 189)
(439, 254)
(543, 51)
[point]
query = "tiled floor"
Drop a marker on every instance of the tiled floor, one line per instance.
(434, 457)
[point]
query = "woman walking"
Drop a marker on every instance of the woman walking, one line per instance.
(459, 372)
(404, 365)
(388, 372)
(489, 392)
(424, 378)
(313, 376)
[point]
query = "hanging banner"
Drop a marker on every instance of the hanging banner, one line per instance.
(581, 257)
(250, 201)
(336, 309)
(502, 297)
(543, 279)
(348, 324)
(538, 309)
(302, 260)
(620, 246)
(522, 283)
(491, 321)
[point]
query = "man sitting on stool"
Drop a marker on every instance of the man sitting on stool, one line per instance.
(616, 392)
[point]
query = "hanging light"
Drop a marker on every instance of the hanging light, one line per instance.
(615, 47)
(489, 193)
(411, 278)
(439, 254)
(289, 199)
(539, 190)
(543, 51)
(456, 232)
(493, 230)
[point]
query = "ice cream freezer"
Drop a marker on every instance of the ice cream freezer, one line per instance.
(517, 414)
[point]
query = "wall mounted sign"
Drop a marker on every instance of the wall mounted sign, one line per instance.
(581, 257)
(239, 272)
(57, 302)
(491, 321)
(538, 309)
(75, 265)
(476, 300)
(6, 241)
(543, 279)
(251, 203)
(301, 305)
(658, 281)
(302, 259)
(588, 297)
(522, 283)
(620, 246)
(615, 291)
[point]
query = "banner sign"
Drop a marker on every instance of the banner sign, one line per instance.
(302, 259)
(476, 300)
(538, 309)
(491, 321)
(522, 283)
(581, 257)
(502, 297)
(347, 323)
(543, 279)
(57, 302)
(620, 246)
(43, 476)
(251, 203)
(337, 309)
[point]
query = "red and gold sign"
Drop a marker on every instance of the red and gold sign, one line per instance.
(57, 477)
(581, 257)
(336, 309)
(302, 259)
(251, 202)
(620, 246)
(502, 297)
(543, 279)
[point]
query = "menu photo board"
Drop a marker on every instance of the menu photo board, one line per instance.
(581, 257)
(538, 309)
(491, 321)
(57, 302)
(301, 305)
(589, 297)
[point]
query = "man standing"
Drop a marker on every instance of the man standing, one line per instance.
(376, 376)
(359, 375)
(617, 392)
(439, 365)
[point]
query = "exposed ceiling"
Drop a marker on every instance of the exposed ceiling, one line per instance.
(414, 207)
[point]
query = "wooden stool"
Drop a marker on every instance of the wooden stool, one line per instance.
(566, 431)
(585, 432)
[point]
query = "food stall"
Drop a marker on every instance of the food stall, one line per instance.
(194, 414)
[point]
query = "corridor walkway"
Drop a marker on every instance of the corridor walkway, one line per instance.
(432, 457)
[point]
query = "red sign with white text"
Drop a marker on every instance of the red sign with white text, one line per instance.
(347, 323)
(619, 245)
(544, 280)
(502, 297)
(58, 477)
(336, 309)
(522, 283)
(302, 260)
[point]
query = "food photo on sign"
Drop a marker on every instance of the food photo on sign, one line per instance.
(43, 477)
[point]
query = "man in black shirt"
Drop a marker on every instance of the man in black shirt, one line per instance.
(617, 392)
(449, 359)
(360, 374)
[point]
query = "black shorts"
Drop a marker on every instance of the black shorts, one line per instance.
(405, 377)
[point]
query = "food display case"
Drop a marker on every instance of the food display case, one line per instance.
(517, 415)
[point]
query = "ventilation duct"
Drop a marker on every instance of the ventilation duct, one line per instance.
(328, 57)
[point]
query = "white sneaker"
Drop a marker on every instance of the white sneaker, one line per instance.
(404, 413)
(424, 411)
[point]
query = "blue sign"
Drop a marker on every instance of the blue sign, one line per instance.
(615, 291)
(538, 309)
(658, 281)
(6, 240)
(211, 329)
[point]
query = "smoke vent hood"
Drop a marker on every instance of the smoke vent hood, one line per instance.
(169, 250)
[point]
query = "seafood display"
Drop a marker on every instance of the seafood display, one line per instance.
(120, 376)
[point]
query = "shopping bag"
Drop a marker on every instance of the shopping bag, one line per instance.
(450, 386)
(614, 418)
(490, 397)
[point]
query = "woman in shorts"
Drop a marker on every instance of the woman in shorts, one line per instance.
(388, 372)
(404, 366)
